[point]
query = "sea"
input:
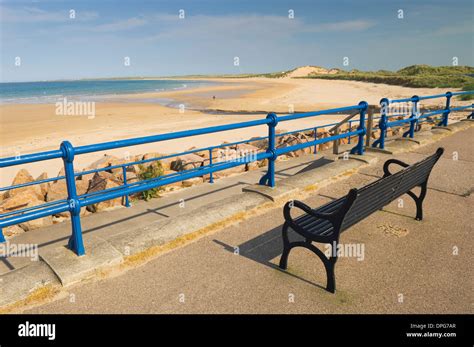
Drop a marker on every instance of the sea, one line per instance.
(89, 90)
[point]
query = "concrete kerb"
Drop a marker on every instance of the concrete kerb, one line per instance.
(22, 283)
(223, 211)
(61, 267)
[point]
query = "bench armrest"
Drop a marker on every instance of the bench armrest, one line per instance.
(386, 171)
(305, 208)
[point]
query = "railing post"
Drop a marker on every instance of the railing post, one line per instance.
(75, 241)
(350, 129)
(269, 177)
(370, 117)
(380, 142)
(335, 145)
(359, 148)
(444, 121)
(315, 138)
(211, 177)
(2, 238)
(124, 174)
(414, 117)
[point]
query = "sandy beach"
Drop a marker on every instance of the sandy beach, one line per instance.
(29, 128)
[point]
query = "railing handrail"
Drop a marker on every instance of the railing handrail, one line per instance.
(415, 116)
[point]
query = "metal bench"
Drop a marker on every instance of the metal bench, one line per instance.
(325, 223)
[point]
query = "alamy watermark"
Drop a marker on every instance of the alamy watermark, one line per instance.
(351, 250)
(21, 250)
(236, 155)
(75, 108)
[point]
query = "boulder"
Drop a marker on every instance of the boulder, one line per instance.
(102, 181)
(106, 161)
(186, 162)
(165, 163)
(292, 140)
(205, 154)
(192, 181)
(23, 176)
(254, 165)
(131, 177)
(171, 172)
(58, 190)
(260, 144)
(43, 186)
(25, 198)
(37, 223)
(12, 231)
(322, 135)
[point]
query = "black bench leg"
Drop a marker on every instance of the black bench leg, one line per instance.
(329, 264)
(286, 247)
(419, 200)
(331, 278)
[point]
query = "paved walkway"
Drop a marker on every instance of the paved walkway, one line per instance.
(408, 266)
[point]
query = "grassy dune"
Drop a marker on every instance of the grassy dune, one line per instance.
(415, 76)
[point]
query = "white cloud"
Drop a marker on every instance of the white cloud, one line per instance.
(251, 26)
(456, 29)
(126, 24)
(35, 15)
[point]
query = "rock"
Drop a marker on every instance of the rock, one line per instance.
(25, 198)
(131, 177)
(12, 231)
(23, 176)
(165, 163)
(59, 219)
(37, 223)
(327, 145)
(260, 144)
(192, 181)
(245, 149)
(102, 181)
(254, 165)
(43, 186)
(175, 184)
(292, 140)
(186, 162)
(106, 161)
(205, 154)
(58, 190)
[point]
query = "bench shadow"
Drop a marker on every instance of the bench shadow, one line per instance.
(266, 247)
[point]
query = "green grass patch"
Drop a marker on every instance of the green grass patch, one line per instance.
(147, 172)
(415, 76)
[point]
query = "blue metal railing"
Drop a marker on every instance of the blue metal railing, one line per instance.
(67, 152)
(415, 117)
(74, 202)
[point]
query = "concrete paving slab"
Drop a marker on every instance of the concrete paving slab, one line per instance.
(71, 269)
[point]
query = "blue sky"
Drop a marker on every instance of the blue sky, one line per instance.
(95, 43)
